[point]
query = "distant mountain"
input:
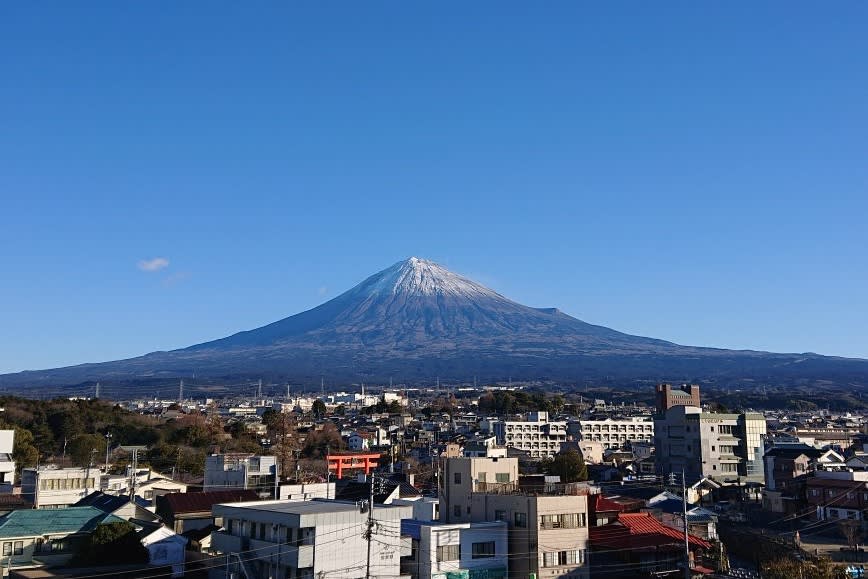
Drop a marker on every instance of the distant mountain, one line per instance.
(416, 320)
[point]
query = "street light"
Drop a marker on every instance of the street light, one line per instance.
(108, 443)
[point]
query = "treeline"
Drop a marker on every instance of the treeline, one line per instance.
(519, 401)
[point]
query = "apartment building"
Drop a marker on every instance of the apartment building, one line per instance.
(667, 396)
(838, 494)
(308, 539)
(49, 487)
(465, 476)
(442, 550)
(241, 471)
(547, 528)
(617, 433)
(725, 447)
(7, 465)
(538, 435)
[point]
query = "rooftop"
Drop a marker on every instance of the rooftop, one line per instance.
(38, 522)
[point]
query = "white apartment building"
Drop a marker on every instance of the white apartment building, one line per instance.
(308, 540)
(241, 471)
(465, 476)
(538, 436)
(7, 465)
(49, 487)
(617, 433)
(472, 550)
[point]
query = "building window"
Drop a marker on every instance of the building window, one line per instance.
(483, 550)
(19, 548)
(457, 478)
(456, 510)
(449, 552)
(521, 520)
(499, 515)
(7, 549)
(502, 477)
(563, 521)
(480, 477)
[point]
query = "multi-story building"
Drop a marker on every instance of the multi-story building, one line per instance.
(725, 447)
(241, 471)
(7, 465)
(547, 528)
(538, 436)
(667, 396)
(48, 487)
(838, 494)
(308, 539)
(465, 476)
(618, 433)
(472, 550)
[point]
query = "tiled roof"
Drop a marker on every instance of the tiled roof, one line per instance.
(37, 522)
(619, 504)
(102, 501)
(179, 503)
(637, 531)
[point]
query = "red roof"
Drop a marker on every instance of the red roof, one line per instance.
(637, 531)
(602, 504)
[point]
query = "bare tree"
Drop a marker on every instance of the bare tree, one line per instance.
(851, 531)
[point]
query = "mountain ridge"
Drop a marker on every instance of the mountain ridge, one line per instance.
(416, 318)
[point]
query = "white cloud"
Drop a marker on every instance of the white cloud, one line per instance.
(323, 290)
(155, 264)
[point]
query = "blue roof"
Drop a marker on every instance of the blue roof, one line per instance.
(37, 522)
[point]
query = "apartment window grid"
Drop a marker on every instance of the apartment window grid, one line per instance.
(483, 550)
(563, 521)
(449, 553)
(562, 558)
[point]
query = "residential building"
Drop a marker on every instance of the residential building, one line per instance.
(49, 487)
(539, 436)
(40, 538)
(119, 506)
(638, 545)
(308, 539)
(183, 512)
(725, 447)
(667, 396)
(617, 433)
(241, 471)
(465, 476)
(785, 464)
(441, 550)
(547, 527)
(838, 494)
(7, 465)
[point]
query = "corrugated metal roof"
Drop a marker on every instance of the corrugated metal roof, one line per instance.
(639, 530)
(37, 522)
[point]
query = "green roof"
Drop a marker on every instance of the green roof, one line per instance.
(38, 522)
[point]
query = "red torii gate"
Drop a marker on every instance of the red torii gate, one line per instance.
(339, 462)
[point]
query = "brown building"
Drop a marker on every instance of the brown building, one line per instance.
(184, 512)
(684, 395)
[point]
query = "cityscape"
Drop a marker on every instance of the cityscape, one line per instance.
(406, 290)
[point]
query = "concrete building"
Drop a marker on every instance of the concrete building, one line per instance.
(444, 551)
(548, 528)
(667, 396)
(241, 471)
(310, 539)
(465, 476)
(538, 436)
(7, 465)
(617, 433)
(727, 448)
(838, 494)
(48, 487)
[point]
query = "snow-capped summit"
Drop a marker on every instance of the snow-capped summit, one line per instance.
(416, 276)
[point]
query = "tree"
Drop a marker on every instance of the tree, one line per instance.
(790, 568)
(81, 448)
(319, 408)
(851, 530)
(569, 465)
(112, 543)
(24, 453)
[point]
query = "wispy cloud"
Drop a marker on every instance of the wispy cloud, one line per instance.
(322, 291)
(155, 264)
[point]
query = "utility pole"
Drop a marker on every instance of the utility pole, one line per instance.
(370, 530)
(181, 392)
(686, 528)
(108, 444)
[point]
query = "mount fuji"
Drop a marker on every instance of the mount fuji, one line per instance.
(416, 320)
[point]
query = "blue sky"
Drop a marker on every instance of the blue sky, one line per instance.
(691, 171)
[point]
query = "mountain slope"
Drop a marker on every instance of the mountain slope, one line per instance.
(416, 319)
